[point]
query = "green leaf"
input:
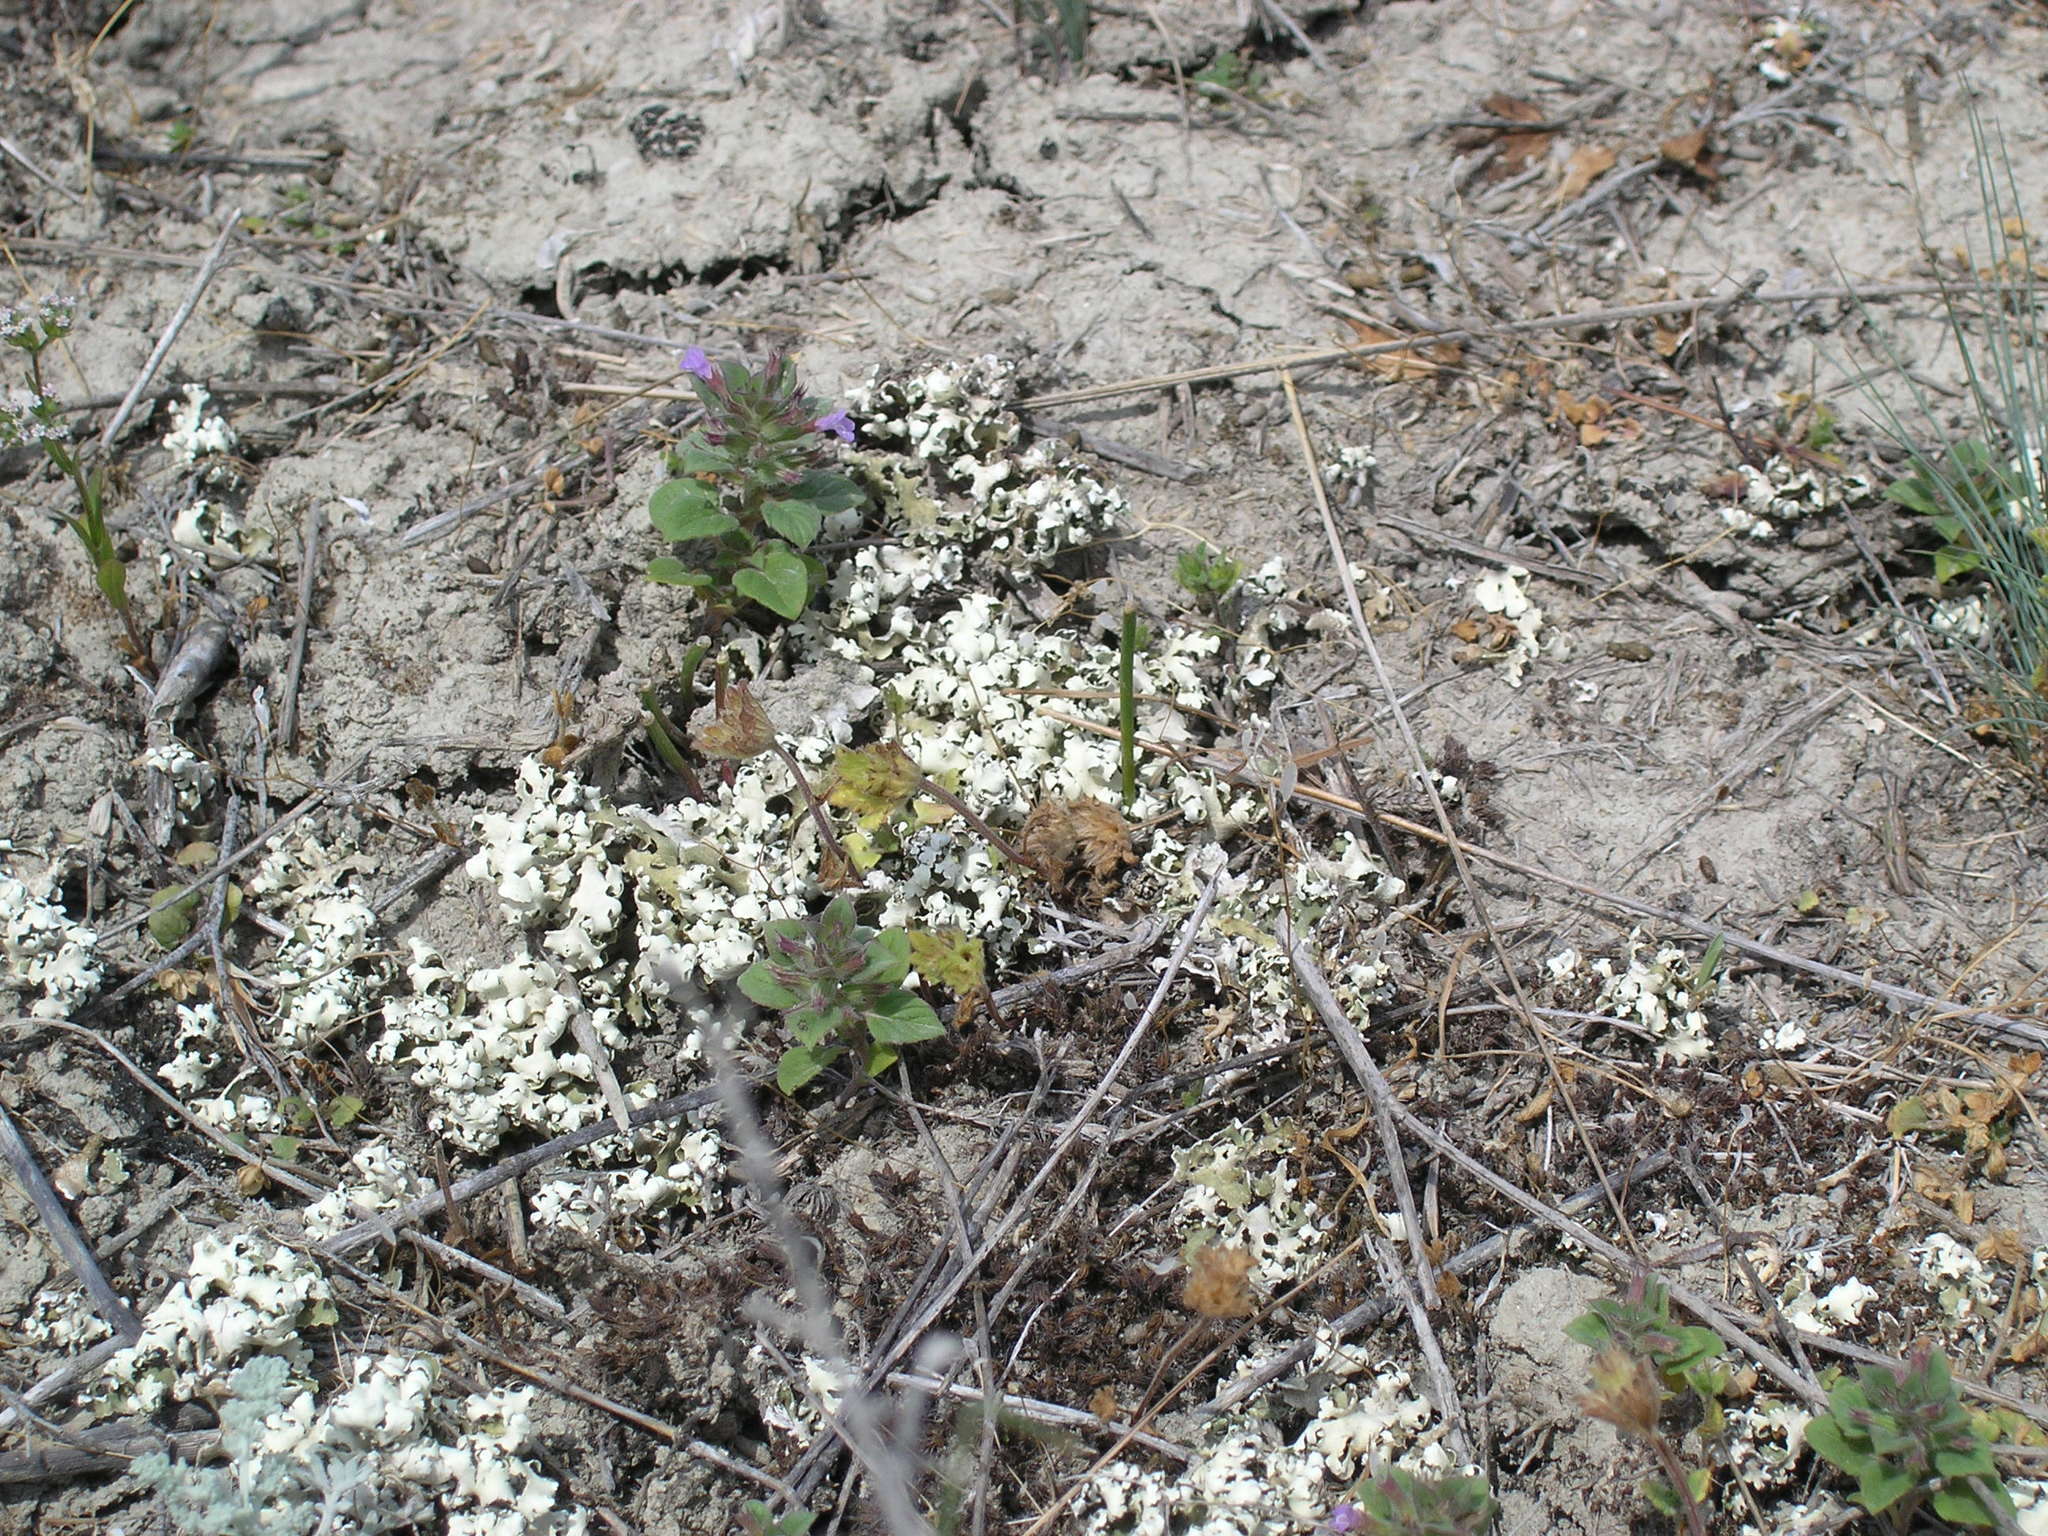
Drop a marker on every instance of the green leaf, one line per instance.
(828, 492)
(1882, 1486)
(797, 521)
(112, 577)
(1916, 495)
(1951, 561)
(776, 579)
(170, 916)
(814, 1025)
(1589, 1329)
(759, 983)
(344, 1110)
(1906, 1117)
(903, 1018)
(688, 509)
(872, 782)
(671, 572)
(286, 1148)
(801, 1063)
(1974, 1461)
(698, 458)
(880, 1058)
(1825, 1435)
(888, 959)
(1962, 1506)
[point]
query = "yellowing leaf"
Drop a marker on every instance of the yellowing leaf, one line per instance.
(872, 782)
(1907, 1116)
(949, 958)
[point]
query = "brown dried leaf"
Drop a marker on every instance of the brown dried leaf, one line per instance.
(1102, 1403)
(1685, 148)
(1217, 1283)
(1076, 841)
(740, 728)
(1517, 151)
(1415, 362)
(2001, 1246)
(1587, 164)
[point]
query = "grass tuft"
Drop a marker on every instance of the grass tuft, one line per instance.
(1981, 485)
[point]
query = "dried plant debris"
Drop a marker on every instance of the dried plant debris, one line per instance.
(1079, 844)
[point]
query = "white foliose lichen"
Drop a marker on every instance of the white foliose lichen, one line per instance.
(1034, 503)
(1766, 1439)
(1661, 994)
(378, 1178)
(1250, 1479)
(49, 965)
(389, 1452)
(1508, 634)
(191, 777)
(1786, 492)
(59, 1318)
(1241, 1192)
(194, 435)
(242, 1297)
(1971, 1292)
(329, 970)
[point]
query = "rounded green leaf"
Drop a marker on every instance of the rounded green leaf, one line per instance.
(170, 916)
(1825, 1435)
(796, 521)
(1880, 1487)
(759, 983)
(776, 579)
(1961, 1505)
(688, 509)
(888, 958)
(671, 572)
(903, 1018)
(828, 492)
(801, 1063)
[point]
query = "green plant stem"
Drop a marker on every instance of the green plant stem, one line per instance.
(1127, 705)
(91, 527)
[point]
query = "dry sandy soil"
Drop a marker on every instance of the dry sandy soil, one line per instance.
(1649, 265)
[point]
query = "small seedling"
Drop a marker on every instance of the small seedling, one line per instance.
(30, 417)
(751, 490)
(1398, 1503)
(1908, 1441)
(1641, 1354)
(1206, 575)
(835, 983)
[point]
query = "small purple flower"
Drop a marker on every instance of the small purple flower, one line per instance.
(839, 424)
(1345, 1517)
(694, 361)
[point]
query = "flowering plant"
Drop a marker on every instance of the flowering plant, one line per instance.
(751, 488)
(30, 416)
(835, 981)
